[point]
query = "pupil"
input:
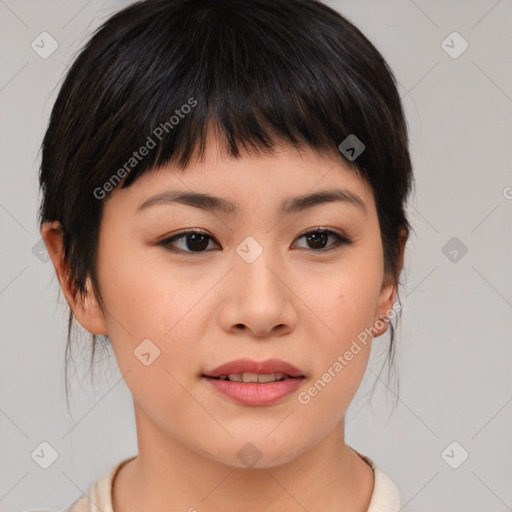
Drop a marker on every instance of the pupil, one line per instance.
(197, 237)
(317, 237)
(197, 241)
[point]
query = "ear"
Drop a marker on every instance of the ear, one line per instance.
(388, 293)
(87, 312)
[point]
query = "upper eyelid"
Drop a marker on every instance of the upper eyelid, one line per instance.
(199, 231)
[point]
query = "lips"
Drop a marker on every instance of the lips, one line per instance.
(240, 366)
(253, 383)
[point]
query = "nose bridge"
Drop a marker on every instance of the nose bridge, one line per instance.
(259, 299)
(255, 266)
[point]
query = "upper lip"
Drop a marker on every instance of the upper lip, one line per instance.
(248, 365)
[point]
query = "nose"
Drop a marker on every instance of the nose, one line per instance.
(257, 299)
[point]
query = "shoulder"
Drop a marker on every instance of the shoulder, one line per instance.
(82, 504)
(98, 497)
(100, 492)
(385, 496)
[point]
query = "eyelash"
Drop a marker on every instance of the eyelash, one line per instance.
(340, 240)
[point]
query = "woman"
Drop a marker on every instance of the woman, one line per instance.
(223, 201)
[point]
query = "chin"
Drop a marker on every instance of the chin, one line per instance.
(256, 452)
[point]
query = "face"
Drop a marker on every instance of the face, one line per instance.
(252, 284)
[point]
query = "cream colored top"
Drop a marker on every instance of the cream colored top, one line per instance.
(385, 496)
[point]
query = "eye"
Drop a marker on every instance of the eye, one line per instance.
(193, 240)
(197, 241)
(318, 237)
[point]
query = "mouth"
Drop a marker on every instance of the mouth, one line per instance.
(247, 370)
(255, 383)
(266, 390)
(261, 378)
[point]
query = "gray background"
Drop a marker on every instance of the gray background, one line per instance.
(454, 350)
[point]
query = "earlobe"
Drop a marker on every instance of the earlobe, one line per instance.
(388, 293)
(87, 311)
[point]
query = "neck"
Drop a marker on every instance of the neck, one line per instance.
(328, 477)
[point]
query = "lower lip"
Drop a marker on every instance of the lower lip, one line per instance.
(255, 393)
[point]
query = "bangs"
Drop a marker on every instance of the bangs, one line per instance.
(167, 74)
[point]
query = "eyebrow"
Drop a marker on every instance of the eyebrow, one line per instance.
(208, 202)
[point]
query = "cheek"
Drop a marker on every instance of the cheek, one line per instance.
(341, 358)
(148, 294)
(348, 301)
(161, 392)
(346, 305)
(165, 303)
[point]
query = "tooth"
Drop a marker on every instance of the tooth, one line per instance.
(254, 377)
(267, 377)
(249, 377)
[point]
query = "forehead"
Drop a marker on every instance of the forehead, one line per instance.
(286, 179)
